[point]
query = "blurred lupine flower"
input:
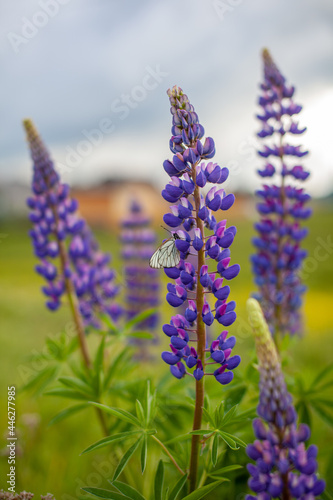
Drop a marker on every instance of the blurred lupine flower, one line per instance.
(142, 282)
(282, 207)
(192, 210)
(68, 253)
(284, 467)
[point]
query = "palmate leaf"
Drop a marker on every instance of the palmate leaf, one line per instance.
(107, 494)
(201, 492)
(67, 412)
(110, 439)
(127, 490)
(159, 481)
(123, 462)
(178, 487)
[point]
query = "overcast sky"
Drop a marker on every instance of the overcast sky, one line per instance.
(93, 75)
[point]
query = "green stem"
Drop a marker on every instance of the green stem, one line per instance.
(74, 308)
(201, 336)
(169, 454)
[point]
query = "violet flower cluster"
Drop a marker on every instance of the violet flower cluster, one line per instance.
(282, 206)
(69, 256)
(284, 467)
(191, 215)
(142, 282)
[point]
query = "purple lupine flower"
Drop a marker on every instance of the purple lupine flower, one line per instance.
(282, 206)
(196, 231)
(142, 282)
(69, 255)
(284, 467)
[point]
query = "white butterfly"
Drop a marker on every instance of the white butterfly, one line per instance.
(167, 254)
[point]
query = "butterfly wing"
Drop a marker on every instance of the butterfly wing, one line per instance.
(167, 255)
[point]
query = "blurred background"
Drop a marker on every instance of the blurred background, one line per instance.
(93, 76)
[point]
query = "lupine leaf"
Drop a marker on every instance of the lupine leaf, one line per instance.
(144, 453)
(67, 413)
(159, 480)
(229, 441)
(123, 462)
(42, 375)
(110, 439)
(229, 415)
(177, 488)
(215, 449)
(119, 413)
(218, 415)
(67, 393)
(323, 413)
(234, 438)
(140, 335)
(201, 492)
(224, 470)
(139, 317)
(114, 366)
(319, 378)
(140, 412)
(125, 489)
(303, 413)
(76, 384)
(101, 493)
(202, 432)
(323, 401)
(98, 362)
(208, 417)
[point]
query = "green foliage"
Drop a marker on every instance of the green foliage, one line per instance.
(315, 397)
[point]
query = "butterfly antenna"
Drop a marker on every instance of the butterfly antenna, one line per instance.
(166, 229)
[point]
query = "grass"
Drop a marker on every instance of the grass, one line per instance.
(48, 457)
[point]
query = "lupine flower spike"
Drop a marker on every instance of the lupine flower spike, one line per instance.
(284, 468)
(142, 282)
(190, 218)
(70, 259)
(282, 206)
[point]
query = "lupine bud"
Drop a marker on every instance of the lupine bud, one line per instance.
(282, 461)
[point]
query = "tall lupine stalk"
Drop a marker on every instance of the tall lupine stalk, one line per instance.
(70, 260)
(142, 282)
(282, 207)
(192, 209)
(284, 468)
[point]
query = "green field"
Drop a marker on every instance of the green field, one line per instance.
(48, 457)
